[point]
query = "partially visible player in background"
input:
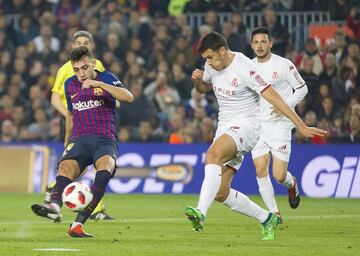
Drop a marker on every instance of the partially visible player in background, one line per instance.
(90, 135)
(58, 100)
(237, 85)
(275, 136)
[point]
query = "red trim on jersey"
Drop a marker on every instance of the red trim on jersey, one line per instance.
(265, 88)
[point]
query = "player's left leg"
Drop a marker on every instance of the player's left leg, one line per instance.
(105, 167)
(284, 177)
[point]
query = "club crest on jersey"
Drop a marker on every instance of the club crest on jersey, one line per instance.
(235, 82)
(252, 72)
(98, 91)
(275, 75)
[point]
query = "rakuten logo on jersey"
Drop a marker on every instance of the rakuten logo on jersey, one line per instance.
(84, 105)
(325, 176)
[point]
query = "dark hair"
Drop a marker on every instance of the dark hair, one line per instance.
(84, 34)
(260, 30)
(213, 41)
(79, 52)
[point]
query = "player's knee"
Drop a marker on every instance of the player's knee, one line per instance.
(261, 171)
(67, 171)
(213, 156)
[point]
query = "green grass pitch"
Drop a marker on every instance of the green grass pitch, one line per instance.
(156, 225)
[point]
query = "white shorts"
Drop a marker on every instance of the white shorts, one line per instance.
(275, 137)
(245, 135)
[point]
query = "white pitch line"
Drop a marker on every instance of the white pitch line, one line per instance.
(57, 249)
(356, 216)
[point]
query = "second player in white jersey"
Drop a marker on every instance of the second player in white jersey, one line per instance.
(285, 79)
(288, 83)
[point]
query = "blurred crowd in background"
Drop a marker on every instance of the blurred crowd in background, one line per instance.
(151, 46)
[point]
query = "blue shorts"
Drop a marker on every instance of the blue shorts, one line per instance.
(86, 150)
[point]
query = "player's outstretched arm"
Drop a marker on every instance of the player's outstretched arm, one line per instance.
(275, 99)
(119, 93)
(200, 85)
(68, 127)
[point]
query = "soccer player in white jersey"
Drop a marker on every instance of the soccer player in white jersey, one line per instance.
(237, 86)
(285, 79)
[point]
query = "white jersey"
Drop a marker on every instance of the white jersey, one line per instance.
(237, 89)
(284, 78)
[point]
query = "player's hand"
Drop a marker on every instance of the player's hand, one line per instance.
(197, 75)
(275, 111)
(88, 83)
(310, 132)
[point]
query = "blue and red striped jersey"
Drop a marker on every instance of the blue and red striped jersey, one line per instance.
(93, 109)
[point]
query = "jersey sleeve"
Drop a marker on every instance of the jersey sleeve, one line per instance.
(253, 78)
(111, 79)
(293, 76)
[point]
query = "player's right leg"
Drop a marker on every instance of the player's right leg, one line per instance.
(222, 150)
(284, 177)
(68, 171)
(261, 160)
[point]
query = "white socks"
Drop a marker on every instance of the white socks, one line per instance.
(266, 190)
(210, 186)
(289, 181)
(240, 203)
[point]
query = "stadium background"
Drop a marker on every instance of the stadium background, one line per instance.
(151, 47)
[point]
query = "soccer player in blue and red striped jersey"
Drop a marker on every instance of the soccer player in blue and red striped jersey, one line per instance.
(91, 98)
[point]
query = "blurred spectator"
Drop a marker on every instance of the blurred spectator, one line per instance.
(354, 130)
(237, 42)
(311, 79)
(353, 21)
(279, 34)
(211, 19)
(131, 114)
(340, 86)
(181, 82)
(327, 110)
(54, 132)
(311, 51)
(207, 130)
(195, 6)
(124, 135)
(330, 69)
(339, 9)
(6, 107)
(26, 32)
(46, 38)
(64, 12)
(340, 45)
(176, 125)
(145, 133)
(39, 130)
(8, 131)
